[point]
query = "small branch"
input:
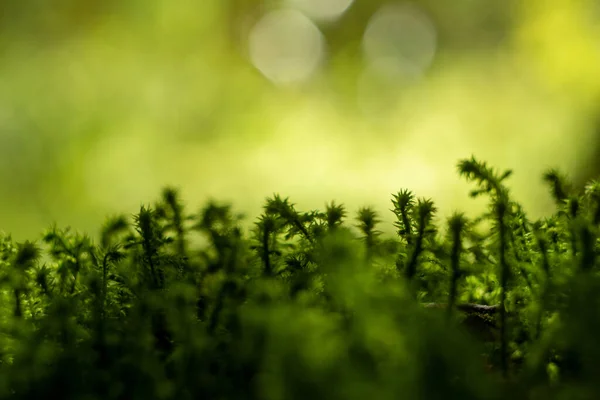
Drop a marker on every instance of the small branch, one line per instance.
(467, 307)
(480, 319)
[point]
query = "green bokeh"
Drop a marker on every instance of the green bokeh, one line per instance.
(102, 103)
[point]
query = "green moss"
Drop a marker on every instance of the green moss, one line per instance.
(307, 305)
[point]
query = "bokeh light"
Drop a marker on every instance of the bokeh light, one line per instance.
(286, 46)
(400, 40)
(323, 10)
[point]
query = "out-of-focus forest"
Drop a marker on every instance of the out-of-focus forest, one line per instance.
(103, 103)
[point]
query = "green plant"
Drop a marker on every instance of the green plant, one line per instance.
(307, 306)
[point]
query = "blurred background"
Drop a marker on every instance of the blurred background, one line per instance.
(105, 102)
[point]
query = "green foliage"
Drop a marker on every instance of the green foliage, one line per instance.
(305, 306)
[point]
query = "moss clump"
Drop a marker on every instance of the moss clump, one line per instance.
(308, 306)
